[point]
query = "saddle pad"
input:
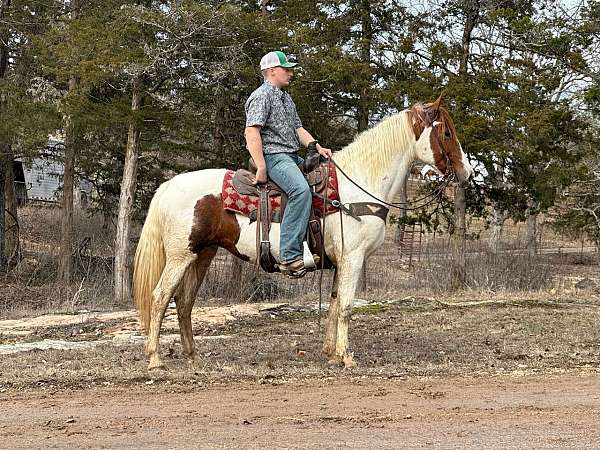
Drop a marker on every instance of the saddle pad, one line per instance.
(332, 192)
(245, 204)
(239, 203)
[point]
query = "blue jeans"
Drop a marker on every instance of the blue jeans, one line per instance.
(283, 169)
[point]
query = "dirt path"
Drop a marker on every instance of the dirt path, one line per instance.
(507, 373)
(561, 411)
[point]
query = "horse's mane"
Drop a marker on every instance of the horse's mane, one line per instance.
(373, 150)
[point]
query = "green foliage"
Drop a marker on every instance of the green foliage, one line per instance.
(515, 87)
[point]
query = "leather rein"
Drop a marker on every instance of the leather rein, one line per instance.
(422, 202)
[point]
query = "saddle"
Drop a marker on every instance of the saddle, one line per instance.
(266, 204)
(310, 167)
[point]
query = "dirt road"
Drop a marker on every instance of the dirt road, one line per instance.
(504, 373)
(560, 411)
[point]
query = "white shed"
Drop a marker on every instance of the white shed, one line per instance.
(40, 179)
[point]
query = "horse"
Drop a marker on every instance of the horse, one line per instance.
(186, 224)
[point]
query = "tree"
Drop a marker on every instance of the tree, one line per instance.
(27, 109)
(4, 147)
(180, 46)
(578, 215)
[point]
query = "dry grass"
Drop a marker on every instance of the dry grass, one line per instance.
(418, 337)
(30, 287)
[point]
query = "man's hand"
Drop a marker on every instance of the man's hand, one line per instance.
(325, 152)
(261, 176)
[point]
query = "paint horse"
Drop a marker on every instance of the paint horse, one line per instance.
(186, 223)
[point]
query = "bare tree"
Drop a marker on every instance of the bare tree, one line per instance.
(4, 147)
(65, 262)
(122, 265)
(187, 47)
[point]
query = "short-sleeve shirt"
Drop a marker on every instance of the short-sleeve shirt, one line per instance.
(274, 111)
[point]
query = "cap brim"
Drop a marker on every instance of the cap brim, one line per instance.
(289, 65)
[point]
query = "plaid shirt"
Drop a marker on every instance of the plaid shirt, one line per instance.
(275, 112)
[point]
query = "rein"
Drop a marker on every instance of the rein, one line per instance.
(432, 196)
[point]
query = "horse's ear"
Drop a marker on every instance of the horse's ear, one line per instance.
(433, 110)
(438, 102)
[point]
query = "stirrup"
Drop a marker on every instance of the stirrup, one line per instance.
(308, 257)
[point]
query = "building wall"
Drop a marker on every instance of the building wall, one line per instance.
(42, 180)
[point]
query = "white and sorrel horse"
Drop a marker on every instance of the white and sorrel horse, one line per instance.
(186, 223)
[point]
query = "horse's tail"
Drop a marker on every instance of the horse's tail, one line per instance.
(149, 260)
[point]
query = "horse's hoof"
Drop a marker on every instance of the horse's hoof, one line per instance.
(156, 365)
(348, 361)
(335, 361)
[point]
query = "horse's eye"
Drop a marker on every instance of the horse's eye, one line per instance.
(447, 134)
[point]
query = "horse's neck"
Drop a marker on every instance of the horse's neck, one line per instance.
(379, 161)
(393, 183)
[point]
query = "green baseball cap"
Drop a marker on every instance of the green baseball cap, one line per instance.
(276, 59)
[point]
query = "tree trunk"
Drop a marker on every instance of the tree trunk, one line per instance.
(531, 238)
(218, 131)
(11, 219)
(499, 216)
(122, 265)
(458, 269)
(4, 147)
(2, 216)
(65, 262)
(403, 199)
(495, 241)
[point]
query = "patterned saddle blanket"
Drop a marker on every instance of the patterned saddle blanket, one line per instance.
(239, 195)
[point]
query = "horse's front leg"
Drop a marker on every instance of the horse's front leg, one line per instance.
(332, 319)
(348, 280)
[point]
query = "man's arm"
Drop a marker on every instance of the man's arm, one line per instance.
(306, 138)
(254, 144)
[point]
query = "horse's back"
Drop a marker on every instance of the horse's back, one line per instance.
(178, 196)
(203, 182)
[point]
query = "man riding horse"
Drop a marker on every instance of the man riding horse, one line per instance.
(273, 135)
(191, 216)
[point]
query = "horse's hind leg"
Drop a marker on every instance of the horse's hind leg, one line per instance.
(175, 268)
(186, 295)
(332, 319)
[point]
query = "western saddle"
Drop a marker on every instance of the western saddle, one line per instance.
(321, 176)
(316, 172)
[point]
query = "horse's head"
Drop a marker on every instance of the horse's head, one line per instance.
(437, 143)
